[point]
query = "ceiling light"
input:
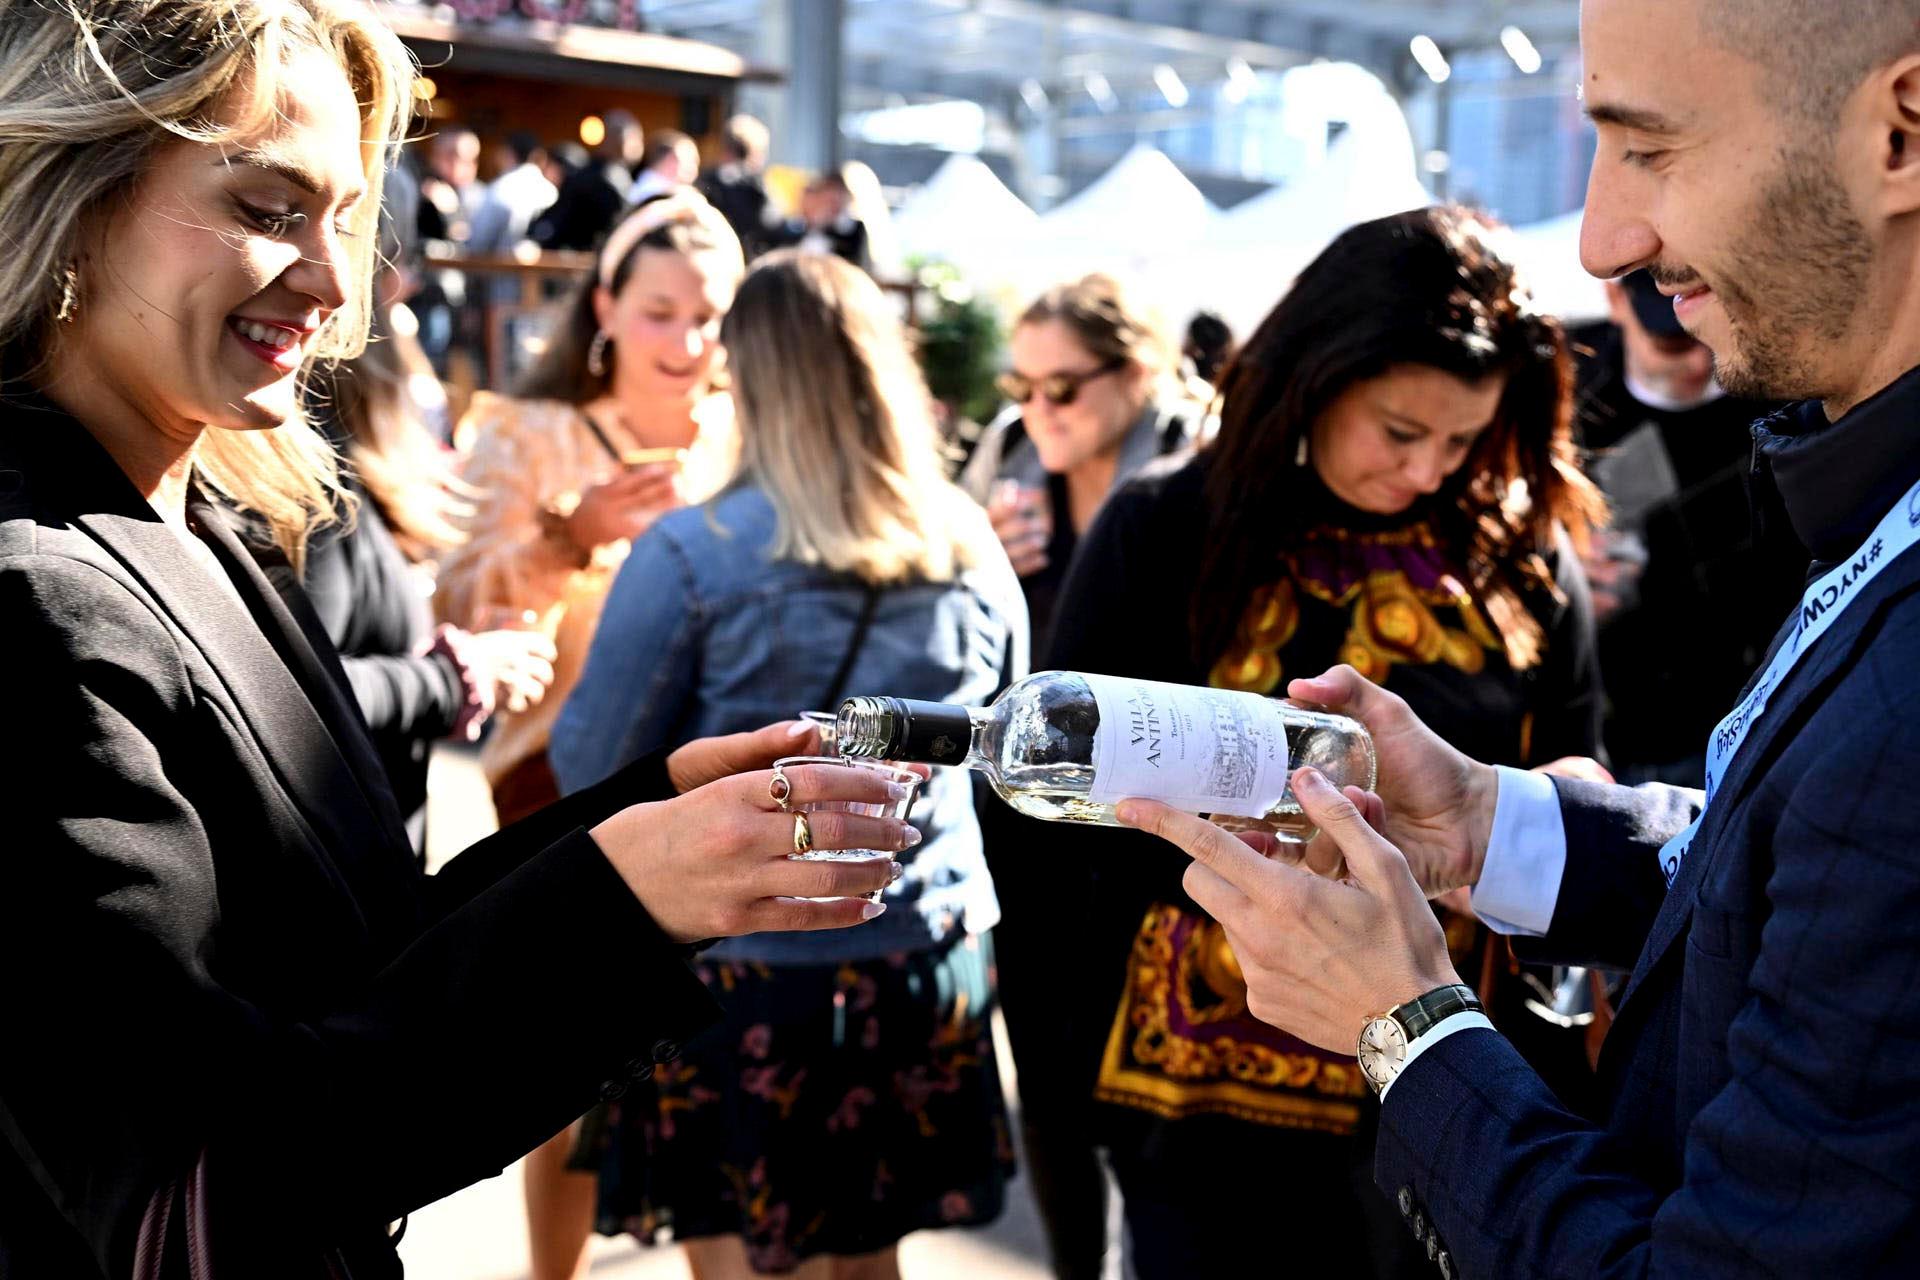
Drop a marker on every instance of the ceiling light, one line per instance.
(1520, 49)
(1101, 91)
(1431, 60)
(1171, 86)
(1240, 81)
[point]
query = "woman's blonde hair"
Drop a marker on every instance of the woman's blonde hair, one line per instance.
(90, 90)
(837, 427)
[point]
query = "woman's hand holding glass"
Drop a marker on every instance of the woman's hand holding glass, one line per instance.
(1023, 523)
(715, 861)
(503, 667)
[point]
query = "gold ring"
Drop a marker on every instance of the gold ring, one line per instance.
(780, 789)
(802, 835)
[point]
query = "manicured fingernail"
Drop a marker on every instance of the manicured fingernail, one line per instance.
(910, 837)
(898, 791)
(894, 872)
(798, 728)
(1127, 812)
(871, 909)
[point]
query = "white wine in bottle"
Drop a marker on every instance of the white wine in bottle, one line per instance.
(1068, 747)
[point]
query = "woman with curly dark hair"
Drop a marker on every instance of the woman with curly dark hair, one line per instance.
(1393, 485)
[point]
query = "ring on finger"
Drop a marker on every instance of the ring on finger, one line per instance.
(802, 835)
(780, 789)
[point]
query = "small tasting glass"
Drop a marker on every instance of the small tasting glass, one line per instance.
(900, 809)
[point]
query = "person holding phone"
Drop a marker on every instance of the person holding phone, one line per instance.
(621, 421)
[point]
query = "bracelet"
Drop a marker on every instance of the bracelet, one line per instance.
(450, 643)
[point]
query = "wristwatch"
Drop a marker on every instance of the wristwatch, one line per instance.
(1385, 1040)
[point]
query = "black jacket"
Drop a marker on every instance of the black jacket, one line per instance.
(368, 596)
(1718, 574)
(591, 200)
(214, 935)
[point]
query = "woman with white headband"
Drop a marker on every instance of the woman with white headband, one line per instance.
(620, 421)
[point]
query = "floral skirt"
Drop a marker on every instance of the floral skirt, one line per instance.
(832, 1110)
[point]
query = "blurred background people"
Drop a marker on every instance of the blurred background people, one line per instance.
(515, 198)
(827, 223)
(1095, 397)
(451, 190)
(1207, 347)
(1690, 582)
(737, 185)
(670, 161)
(849, 1095)
(592, 197)
(370, 574)
(560, 487)
(1393, 485)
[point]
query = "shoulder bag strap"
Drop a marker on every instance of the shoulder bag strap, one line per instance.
(839, 686)
(600, 434)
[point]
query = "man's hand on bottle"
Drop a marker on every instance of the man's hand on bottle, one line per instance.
(1439, 803)
(1321, 955)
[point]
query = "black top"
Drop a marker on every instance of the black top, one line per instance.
(374, 605)
(590, 201)
(1717, 579)
(208, 881)
(741, 197)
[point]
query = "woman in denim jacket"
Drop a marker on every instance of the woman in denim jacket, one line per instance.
(849, 1095)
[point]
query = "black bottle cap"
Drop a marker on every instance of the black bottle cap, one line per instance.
(930, 732)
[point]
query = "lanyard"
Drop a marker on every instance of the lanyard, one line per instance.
(1820, 608)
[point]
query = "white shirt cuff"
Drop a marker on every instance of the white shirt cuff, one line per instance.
(1465, 1020)
(1526, 856)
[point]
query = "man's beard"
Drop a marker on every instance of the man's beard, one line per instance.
(1803, 269)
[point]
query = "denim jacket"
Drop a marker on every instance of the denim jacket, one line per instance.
(704, 633)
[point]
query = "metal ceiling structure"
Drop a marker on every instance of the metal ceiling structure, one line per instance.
(1023, 60)
(984, 49)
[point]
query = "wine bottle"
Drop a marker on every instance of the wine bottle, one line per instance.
(1068, 747)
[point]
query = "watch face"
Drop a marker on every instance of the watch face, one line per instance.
(1383, 1047)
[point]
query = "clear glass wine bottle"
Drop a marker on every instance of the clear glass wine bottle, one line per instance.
(1068, 747)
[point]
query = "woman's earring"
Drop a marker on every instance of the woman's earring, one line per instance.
(597, 354)
(1300, 454)
(69, 294)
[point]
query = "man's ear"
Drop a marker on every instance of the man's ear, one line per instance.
(1893, 134)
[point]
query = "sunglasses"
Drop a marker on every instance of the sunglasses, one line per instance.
(1060, 389)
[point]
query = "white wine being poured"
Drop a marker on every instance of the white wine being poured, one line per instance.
(1068, 747)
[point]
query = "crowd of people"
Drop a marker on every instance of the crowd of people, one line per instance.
(248, 585)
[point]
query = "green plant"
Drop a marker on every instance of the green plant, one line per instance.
(960, 343)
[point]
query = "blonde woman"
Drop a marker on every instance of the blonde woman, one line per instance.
(207, 892)
(849, 1096)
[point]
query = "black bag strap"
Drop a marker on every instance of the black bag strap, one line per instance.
(868, 608)
(600, 434)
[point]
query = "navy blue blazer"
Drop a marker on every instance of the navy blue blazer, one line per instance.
(1764, 1069)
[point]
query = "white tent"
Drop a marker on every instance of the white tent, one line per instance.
(962, 204)
(1143, 204)
(1548, 255)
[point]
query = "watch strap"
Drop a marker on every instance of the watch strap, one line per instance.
(1420, 1016)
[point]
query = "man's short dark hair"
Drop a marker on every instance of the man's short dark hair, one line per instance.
(745, 139)
(661, 144)
(1816, 52)
(524, 144)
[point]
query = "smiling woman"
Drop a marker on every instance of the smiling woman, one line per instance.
(207, 885)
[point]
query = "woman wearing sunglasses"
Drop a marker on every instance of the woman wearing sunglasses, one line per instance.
(1095, 397)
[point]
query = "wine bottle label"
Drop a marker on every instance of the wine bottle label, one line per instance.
(1202, 750)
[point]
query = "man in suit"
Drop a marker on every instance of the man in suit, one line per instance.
(1762, 161)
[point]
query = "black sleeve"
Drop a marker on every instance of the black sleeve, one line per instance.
(404, 694)
(540, 983)
(1565, 697)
